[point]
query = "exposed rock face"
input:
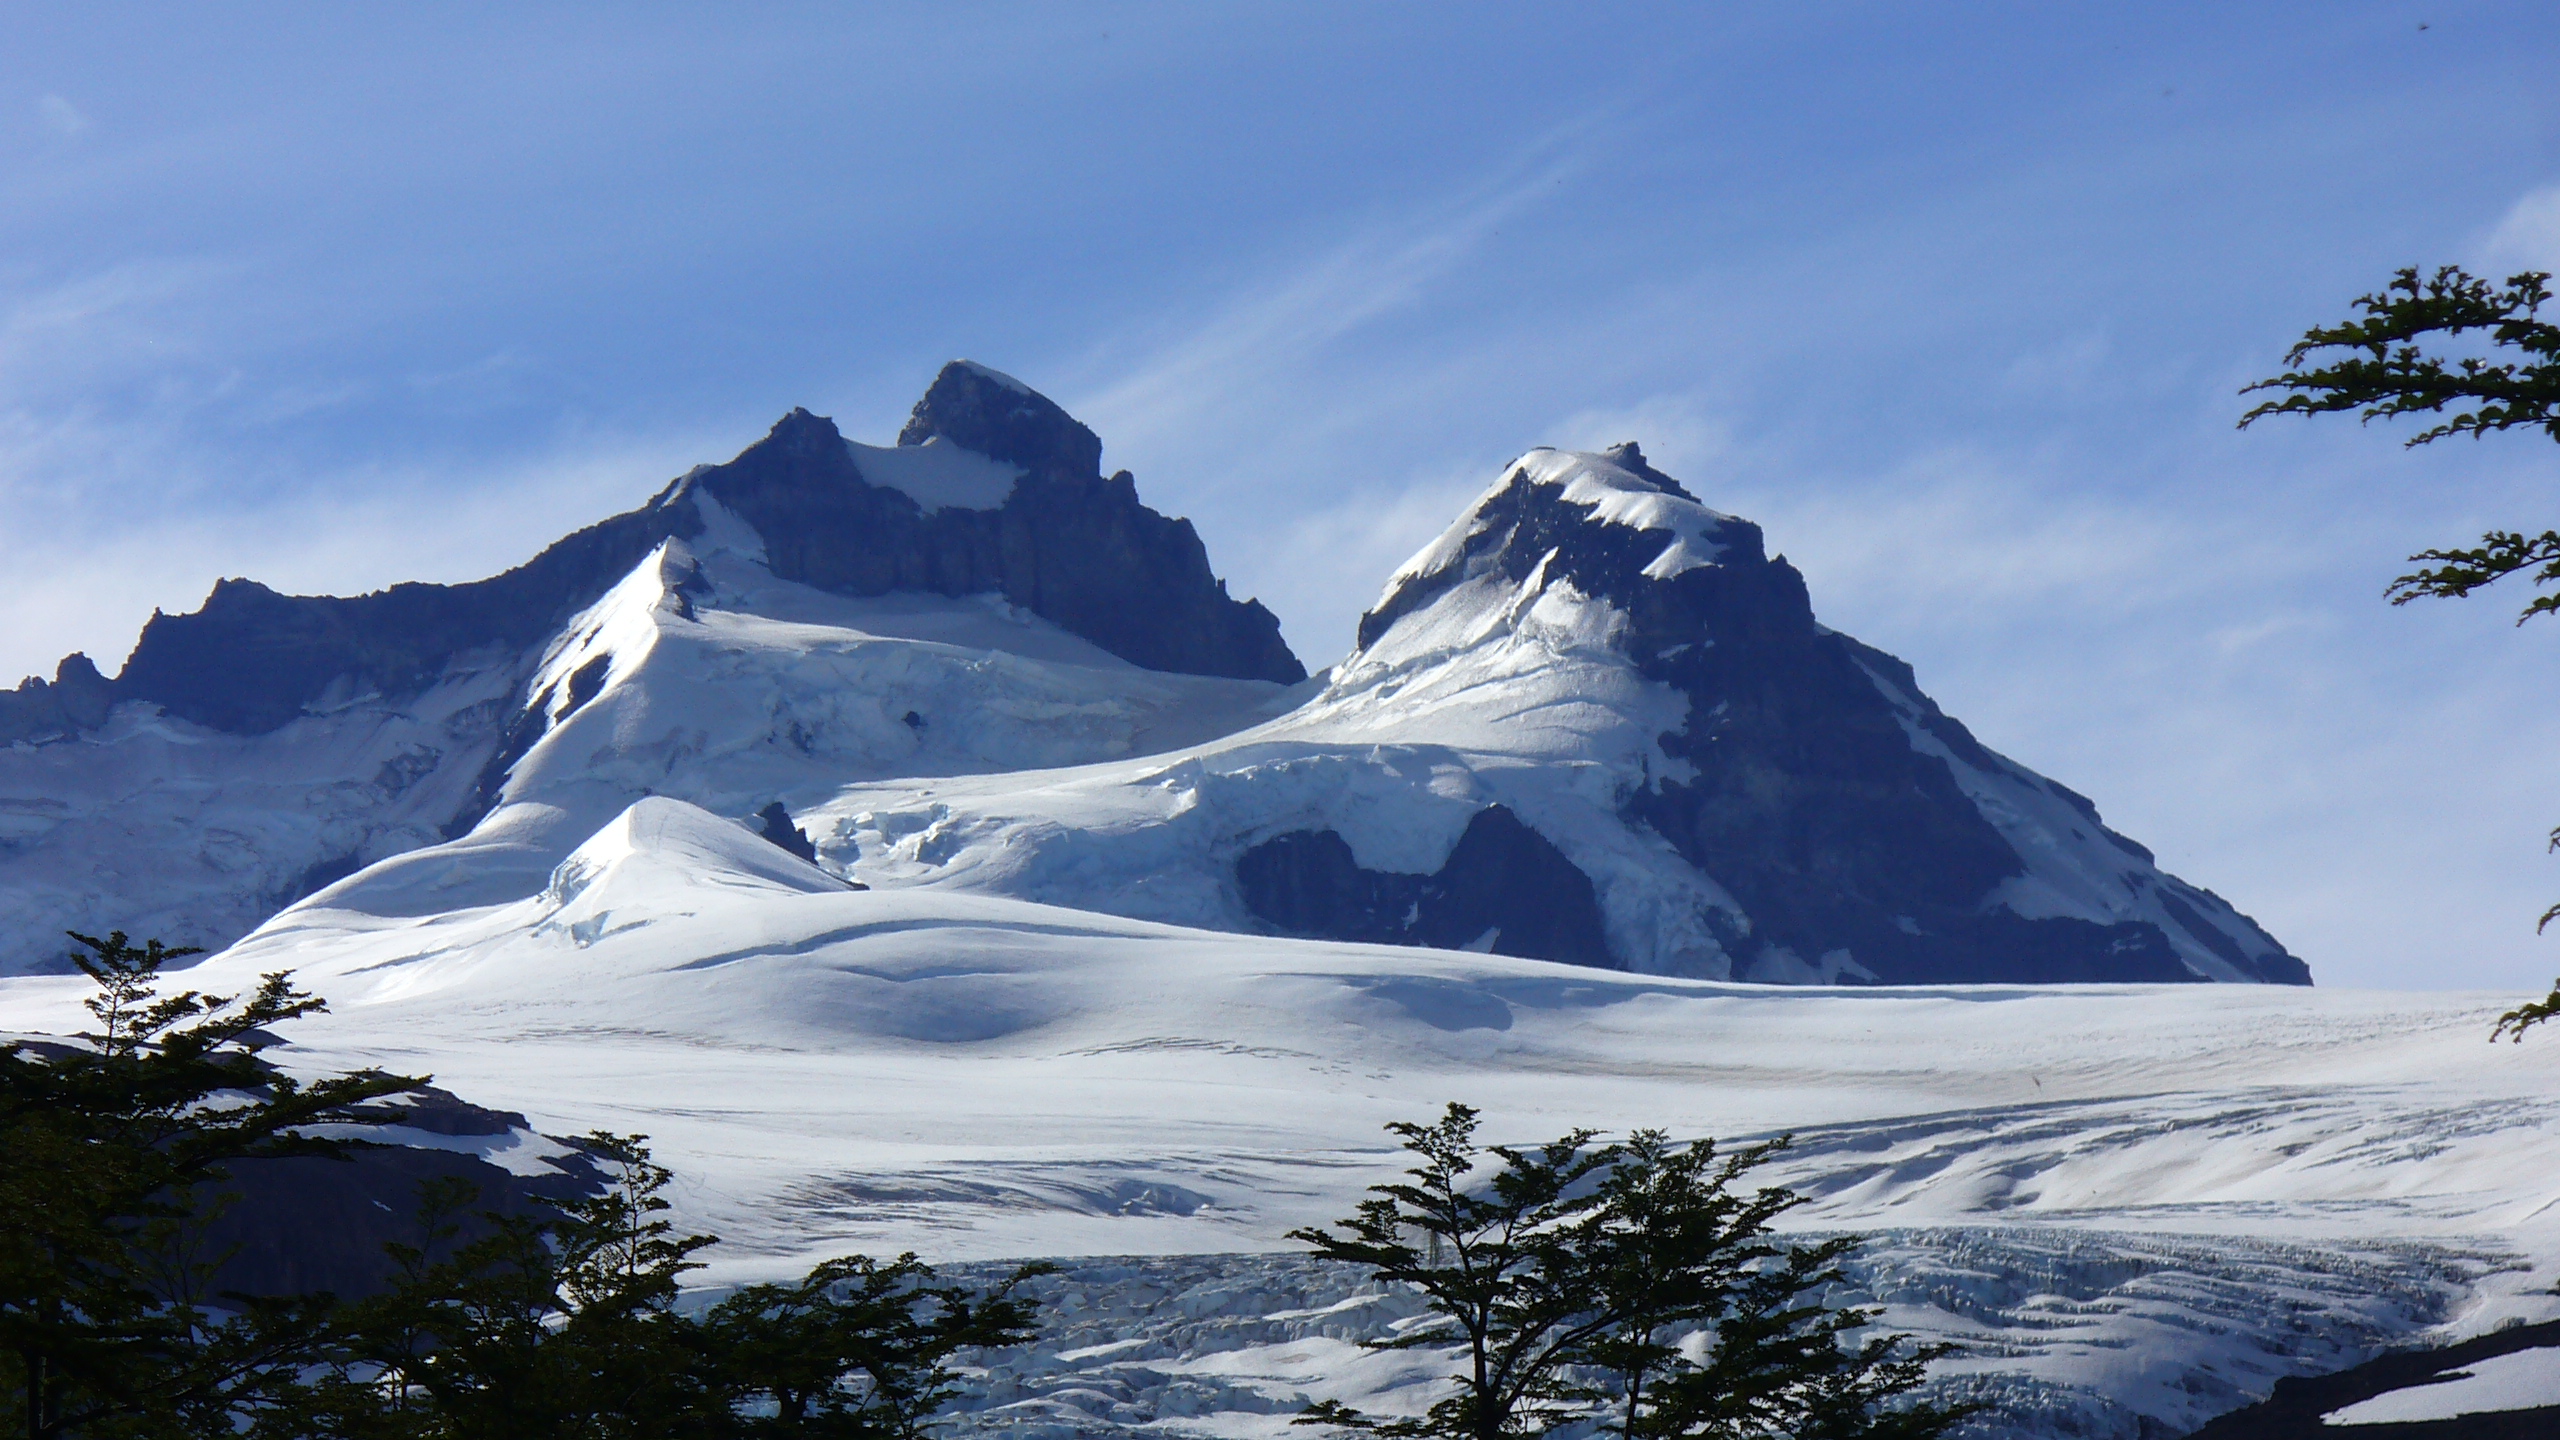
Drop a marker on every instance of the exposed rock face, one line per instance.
(1835, 802)
(310, 1223)
(76, 699)
(1066, 544)
(777, 827)
(1504, 889)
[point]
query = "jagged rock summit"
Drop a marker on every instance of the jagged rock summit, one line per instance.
(1052, 535)
(1593, 722)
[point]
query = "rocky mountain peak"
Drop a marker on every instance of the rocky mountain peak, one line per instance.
(1083, 554)
(998, 416)
(1606, 521)
(1861, 831)
(802, 434)
(76, 699)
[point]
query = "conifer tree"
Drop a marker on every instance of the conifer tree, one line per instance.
(117, 1149)
(1631, 1286)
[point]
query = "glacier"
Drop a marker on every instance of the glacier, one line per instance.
(2129, 1205)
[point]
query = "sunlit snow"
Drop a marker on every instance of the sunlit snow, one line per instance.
(2525, 1380)
(937, 474)
(2206, 1178)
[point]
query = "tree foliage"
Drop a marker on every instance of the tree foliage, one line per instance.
(1636, 1286)
(117, 1152)
(859, 1348)
(562, 1324)
(2380, 368)
(2386, 372)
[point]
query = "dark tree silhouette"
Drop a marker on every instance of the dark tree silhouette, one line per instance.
(1632, 1286)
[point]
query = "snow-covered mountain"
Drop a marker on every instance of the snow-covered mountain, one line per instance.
(1593, 722)
(1028, 609)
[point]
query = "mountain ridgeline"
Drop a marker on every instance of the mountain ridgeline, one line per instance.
(1067, 544)
(1595, 722)
(1846, 814)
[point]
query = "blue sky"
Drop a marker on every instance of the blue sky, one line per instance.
(1953, 300)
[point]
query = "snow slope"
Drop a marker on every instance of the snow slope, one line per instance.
(158, 826)
(699, 674)
(1527, 691)
(2128, 1201)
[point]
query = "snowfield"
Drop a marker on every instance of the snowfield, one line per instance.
(2127, 1201)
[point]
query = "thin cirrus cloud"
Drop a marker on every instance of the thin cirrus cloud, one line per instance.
(440, 526)
(2528, 235)
(61, 116)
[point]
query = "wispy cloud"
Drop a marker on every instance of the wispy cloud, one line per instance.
(1325, 567)
(1254, 340)
(2528, 235)
(61, 116)
(140, 461)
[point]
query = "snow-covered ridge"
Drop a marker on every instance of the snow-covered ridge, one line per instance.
(937, 474)
(702, 677)
(1616, 486)
(1625, 673)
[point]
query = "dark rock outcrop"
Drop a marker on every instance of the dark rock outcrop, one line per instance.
(1818, 802)
(1069, 545)
(76, 699)
(1503, 888)
(306, 1223)
(2294, 1411)
(777, 827)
